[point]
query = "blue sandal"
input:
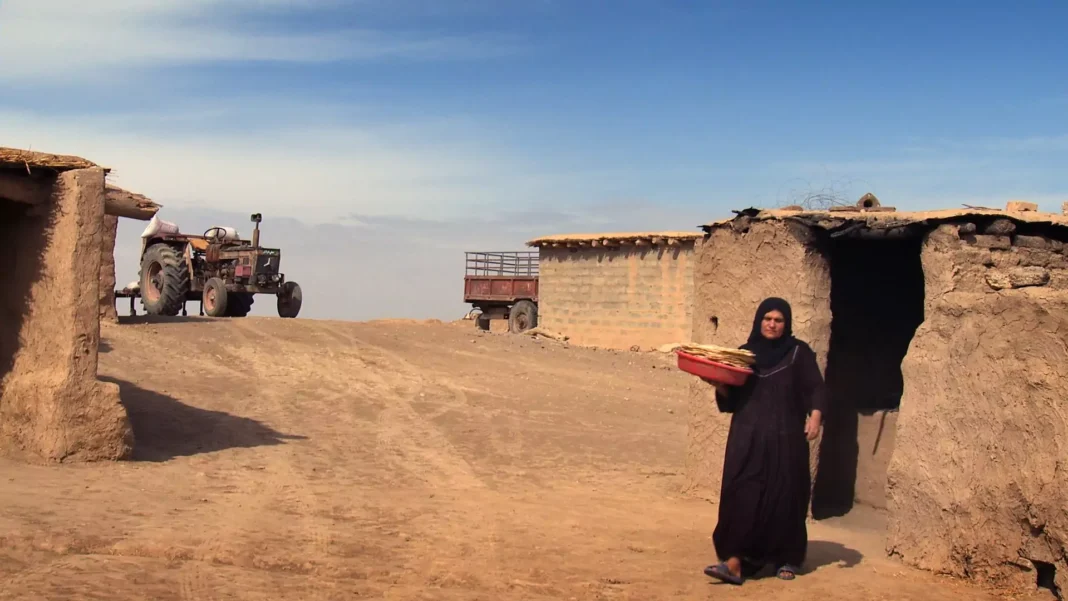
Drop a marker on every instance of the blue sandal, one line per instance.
(722, 572)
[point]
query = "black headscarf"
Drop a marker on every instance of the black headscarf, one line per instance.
(770, 352)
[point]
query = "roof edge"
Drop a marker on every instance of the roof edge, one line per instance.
(612, 239)
(29, 159)
(833, 218)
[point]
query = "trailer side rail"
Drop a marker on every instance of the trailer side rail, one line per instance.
(502, 264)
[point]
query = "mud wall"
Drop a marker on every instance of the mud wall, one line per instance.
(634, 296)
(109, 232)
(978, 482)
(51, 404)
(735, 269)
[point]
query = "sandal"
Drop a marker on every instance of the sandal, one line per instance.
(722, 572)
(787, 572)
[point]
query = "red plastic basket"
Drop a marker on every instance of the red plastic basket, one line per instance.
(711, 370)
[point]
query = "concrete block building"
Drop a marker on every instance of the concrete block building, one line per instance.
(617, 290)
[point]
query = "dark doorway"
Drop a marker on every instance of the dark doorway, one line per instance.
(19, 256)
(877, 294)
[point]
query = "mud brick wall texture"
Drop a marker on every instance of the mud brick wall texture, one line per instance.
(978, 481)
(618, 298)
(52, 407)
(107, 269)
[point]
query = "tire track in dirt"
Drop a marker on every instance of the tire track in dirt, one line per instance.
(405, 434)
(242, 531)
(344, 382)
(414, 443)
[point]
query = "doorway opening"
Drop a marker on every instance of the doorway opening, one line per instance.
(877, 302)
(19, 258)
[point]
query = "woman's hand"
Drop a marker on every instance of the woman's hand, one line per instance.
(812, 425)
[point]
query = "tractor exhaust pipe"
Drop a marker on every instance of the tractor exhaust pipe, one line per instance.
(256, 218)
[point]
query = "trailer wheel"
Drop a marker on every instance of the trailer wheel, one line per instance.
(289, 300)
(164, 280)
(238, 304)
(215, 298)
(522, 317)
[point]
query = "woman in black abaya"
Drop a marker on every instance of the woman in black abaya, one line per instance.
(764, 498)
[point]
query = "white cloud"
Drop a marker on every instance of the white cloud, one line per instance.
(64, 39)
(316, 173)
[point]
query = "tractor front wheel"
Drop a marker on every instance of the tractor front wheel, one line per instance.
(289, 300)
(215, 297)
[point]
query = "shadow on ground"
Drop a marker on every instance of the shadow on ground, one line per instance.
(165, 428)
(820, 554)
(154, 319)
(825, 553)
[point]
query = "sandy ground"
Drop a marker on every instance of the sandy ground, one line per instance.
(394, 460)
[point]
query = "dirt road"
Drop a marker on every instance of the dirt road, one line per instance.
(392, 460)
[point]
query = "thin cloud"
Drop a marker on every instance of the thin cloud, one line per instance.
(81, 40)
(314, 173)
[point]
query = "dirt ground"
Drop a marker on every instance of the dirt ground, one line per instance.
(299, 459)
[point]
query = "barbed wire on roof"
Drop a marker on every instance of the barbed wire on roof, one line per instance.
(836, 193)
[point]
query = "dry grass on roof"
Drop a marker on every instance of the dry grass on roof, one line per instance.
(140, 200)
(615, 237)
(14, 158)
(835, 218)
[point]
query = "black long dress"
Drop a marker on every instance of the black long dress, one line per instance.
(765, 493)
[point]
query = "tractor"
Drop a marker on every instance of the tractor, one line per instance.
(218, 268)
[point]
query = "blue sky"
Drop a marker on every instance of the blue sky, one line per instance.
(506, 104)
(544, 116)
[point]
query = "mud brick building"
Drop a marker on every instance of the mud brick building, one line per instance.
(617, 290)
(57, 220)
(944, 339)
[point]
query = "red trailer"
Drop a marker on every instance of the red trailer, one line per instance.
(503, 285)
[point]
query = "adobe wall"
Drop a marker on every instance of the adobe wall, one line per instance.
(978, 482)
(617, 298)
(110, 230)
(51, 404)
(734, 269)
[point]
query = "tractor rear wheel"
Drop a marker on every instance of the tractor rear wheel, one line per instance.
(238, 304)
(289, 300)
(215, 297)
(522, 317)
(164, 280)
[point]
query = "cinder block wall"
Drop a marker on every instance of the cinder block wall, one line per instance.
(618, 298)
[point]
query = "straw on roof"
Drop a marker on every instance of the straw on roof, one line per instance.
(123, 203)
(14, 158)
(616, 238)
(889, 218)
